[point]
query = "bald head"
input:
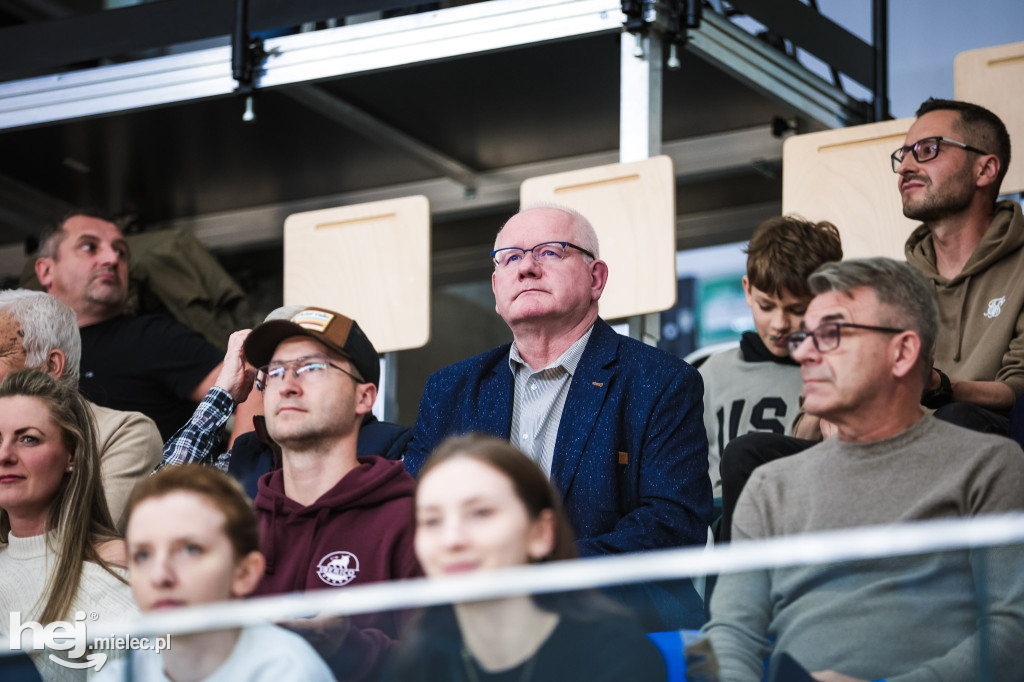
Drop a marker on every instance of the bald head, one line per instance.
(584, 234)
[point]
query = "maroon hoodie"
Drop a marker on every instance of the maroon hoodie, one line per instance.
(358, 532)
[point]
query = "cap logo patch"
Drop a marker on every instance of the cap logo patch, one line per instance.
(314, 320)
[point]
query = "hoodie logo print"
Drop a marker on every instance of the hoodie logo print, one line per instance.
(338, 568)
(995, 306)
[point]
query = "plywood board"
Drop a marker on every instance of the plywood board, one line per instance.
(994, 78)
(633, 209)
(368, 261)
(845, 176)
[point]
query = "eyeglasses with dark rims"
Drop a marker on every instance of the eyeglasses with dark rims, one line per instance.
(927, 149)
(548, 252)
(826, 336)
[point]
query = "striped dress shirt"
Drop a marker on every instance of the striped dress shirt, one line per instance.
(538, 399)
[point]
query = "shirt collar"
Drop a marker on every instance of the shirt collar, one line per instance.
(567, 361)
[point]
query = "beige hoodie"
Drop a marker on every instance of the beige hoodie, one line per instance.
(981, 326)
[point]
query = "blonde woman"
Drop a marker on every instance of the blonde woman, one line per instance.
(59, 551)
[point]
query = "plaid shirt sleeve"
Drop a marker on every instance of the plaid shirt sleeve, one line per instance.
(196, 441)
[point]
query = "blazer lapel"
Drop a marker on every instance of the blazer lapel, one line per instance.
(583, 404)
(494, 401)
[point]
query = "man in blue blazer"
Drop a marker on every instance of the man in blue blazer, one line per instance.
(617, 424)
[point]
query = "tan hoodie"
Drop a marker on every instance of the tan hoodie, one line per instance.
(981, 310)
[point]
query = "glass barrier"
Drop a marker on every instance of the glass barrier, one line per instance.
(934, 600)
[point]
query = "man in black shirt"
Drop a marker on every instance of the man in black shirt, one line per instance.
(149, 363)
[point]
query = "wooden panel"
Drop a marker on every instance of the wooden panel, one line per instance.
(994, 78)
(368, 261)
(845, 176)
(632, 208)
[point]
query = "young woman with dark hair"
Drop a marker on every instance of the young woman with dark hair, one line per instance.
(483, 505)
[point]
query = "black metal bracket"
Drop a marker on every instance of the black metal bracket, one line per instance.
(247, 53)
(252, 56)
(670, 19)
(880, 40)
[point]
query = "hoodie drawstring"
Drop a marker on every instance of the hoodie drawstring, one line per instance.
(275, 529)
(318, 522)
(960, 318)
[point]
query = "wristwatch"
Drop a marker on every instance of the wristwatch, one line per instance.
(943, 395)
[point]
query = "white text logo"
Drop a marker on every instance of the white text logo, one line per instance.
(338, 568)
(72, 637)
(995, 306)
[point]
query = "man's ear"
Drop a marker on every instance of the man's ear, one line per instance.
(906, 351)
(366, 395)
(598, 278)
(248, 572)
(494, 291)
(988, 170)
(56, 361)
(44, 272)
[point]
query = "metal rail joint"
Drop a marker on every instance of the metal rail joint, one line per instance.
(669, 19)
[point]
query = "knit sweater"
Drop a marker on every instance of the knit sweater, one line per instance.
(25, 565)
(906, 619)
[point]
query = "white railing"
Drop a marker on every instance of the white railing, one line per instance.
(597, 572)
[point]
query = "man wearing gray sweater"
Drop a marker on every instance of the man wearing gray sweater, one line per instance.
(864, 361)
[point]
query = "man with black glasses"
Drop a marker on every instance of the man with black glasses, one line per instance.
(949, 171)
(864, 352)
(969, 245)
(327, 517)
(617, 425)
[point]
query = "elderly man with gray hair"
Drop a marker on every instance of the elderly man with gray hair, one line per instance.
(38, 331)
(864, 350)
(615, 424)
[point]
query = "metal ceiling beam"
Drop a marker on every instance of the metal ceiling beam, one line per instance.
(329, 53)
(125, 30)
(769, 71)
(815, 33)
(32, 10)
(640, 96)
(693, 230)
(724, 225)
(401, 41)
(693, 158)
(379, 132)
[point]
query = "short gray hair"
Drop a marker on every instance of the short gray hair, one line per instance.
(49, 324)
(587, 235)
(898, 285)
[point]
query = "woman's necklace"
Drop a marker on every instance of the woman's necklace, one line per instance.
(470, 666)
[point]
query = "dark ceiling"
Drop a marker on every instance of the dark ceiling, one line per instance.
(489, 111)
